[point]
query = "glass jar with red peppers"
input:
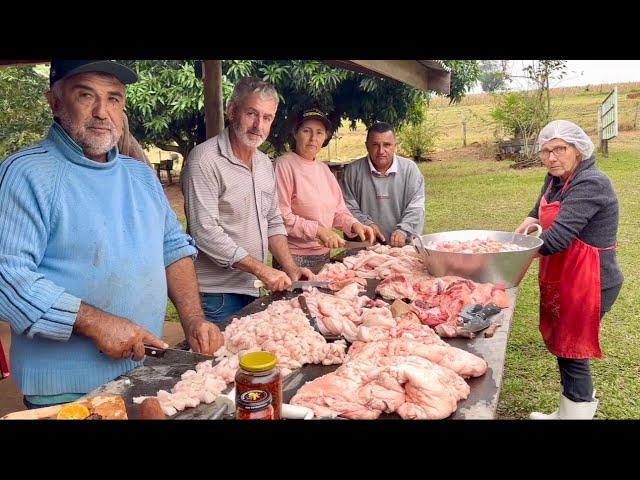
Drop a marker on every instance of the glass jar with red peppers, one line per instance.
(258, 371)
(254, 405)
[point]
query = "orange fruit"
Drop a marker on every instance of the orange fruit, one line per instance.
(73, 411)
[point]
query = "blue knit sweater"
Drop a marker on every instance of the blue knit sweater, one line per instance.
(73, 229)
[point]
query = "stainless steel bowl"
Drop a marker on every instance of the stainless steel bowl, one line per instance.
(506, 268)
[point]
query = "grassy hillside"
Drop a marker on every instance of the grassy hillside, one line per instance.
(577, 104)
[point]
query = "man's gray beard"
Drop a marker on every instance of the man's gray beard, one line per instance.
(84, 139)
(244, 138)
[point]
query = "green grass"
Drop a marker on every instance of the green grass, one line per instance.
(467, 194)
(464, 193)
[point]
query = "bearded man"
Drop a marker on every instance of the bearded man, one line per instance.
(232, 208)
(89, 246)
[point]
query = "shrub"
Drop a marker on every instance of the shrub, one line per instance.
(522, 114)
(418, 140)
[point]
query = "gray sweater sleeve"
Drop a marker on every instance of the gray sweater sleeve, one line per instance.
(413, 216)
(584, 198)
(348, 185)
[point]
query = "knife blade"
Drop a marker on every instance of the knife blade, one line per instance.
(351, 245)
(156, 352)
(299, 284)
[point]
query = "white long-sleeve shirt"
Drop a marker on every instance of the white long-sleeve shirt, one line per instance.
(231, 213)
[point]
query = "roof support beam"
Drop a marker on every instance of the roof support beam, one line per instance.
(213, 105)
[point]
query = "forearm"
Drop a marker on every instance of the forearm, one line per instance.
(182, 285)
(280, 250)
(88, 319)
(251, 265)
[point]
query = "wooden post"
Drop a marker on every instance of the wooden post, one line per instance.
(464, 130)
(600, 126)
(213, 109)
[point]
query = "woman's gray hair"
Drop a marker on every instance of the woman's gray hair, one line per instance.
(570, 133)
(248, 85)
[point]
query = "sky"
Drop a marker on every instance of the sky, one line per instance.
(582, 72)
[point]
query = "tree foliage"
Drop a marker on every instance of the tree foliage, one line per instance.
(492, 75)
(541, 73)
(167, 104)
(464, 75)
(24, 112)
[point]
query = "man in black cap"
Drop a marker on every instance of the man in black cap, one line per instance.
(89, 246)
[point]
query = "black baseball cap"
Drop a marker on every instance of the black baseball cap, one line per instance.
(313, 114)
(65, 68)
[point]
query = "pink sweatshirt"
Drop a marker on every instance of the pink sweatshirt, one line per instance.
(309, 196)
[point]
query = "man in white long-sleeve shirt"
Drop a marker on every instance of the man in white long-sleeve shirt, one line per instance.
(384, 190)
(232, 207)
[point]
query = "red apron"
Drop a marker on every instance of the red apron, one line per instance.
(569, 293)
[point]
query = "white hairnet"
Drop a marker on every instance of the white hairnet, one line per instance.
(570, 133)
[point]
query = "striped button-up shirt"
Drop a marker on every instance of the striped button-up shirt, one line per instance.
(231, 213)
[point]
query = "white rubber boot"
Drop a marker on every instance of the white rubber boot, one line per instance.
(546, 416)
(570, 410)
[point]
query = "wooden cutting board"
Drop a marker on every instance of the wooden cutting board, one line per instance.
(109, 407)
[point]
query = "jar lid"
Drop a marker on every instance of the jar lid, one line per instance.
(254, 399)
(258, 361)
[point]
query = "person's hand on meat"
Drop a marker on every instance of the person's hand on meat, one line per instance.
(300, 273)
(203, 336)
(377, 232)
(398, 238)
(365, 232)
(329, 238)
(274, 280)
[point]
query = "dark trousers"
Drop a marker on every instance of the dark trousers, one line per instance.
(575, 374)
(575, 377)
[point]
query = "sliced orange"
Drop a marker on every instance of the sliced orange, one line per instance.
(73, 411)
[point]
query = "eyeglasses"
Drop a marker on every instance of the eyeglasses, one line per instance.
(557, 151)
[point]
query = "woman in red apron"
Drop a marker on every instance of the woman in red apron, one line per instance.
(579, 276)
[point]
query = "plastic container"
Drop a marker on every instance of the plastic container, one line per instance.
(258, 372)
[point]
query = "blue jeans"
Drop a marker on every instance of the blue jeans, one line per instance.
(219, 306)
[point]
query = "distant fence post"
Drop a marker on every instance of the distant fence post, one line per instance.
(608, 120)
(464, 130)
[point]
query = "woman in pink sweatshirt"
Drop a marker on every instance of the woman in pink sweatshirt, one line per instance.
(310, 198)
